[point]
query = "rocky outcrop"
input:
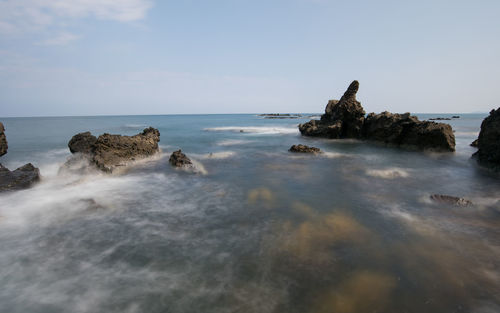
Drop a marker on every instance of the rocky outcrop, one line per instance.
(3, 141)
(109, 152)
(475, 143)
(450, 200)
(345, 118)
(82, 143)
(406, 130)
(342, 119)
(21, 178)
(304, 149)
(488, 142)
(179, 159)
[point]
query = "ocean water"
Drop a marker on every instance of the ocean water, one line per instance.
(257, 229)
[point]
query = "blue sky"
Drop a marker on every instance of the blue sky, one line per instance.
(113, 57)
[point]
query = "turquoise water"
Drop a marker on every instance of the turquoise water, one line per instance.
(257, 230)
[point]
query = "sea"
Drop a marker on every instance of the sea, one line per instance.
(254, 229)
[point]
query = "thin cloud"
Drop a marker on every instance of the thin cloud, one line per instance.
(59, 40)
(19, 16)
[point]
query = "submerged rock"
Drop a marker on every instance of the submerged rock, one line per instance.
(407, 130)
(21, 178)
(345, 118)
(179, 159)
(82, 143)
(342, 119)
(304, 149)
(488, 143)
(450, 200)
(108, 152)
(3, 141)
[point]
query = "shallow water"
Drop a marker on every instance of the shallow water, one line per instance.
(257, 230)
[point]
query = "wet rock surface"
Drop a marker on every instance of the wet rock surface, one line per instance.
(3, 141)
(21, 178)
(345, 118)
(109, 152)
(179, 159)
(451, 200)
(304, 149)
(82, 143)
(488, 142)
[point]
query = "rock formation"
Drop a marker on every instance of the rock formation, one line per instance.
(406, 130)
(109, 152)
(450, 200)
(179, 159)
(82, 143)
(342, 119)
(3, 141)
(345, 118)
(475, 143)
(304, 149)
(21, 178)
(488, 143)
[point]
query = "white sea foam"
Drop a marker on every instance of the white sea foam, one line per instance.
(388, 173)
(214, 155)
(262, 130)
(233, 142)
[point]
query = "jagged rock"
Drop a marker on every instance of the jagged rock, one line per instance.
(475, 143)
(3, 141)
(112, 151)
(450, 200)
(179, 159)
(82, 143)
(21, 178)
(346, 119)
(488, 153)
(109, 152)
(304, 149)
(407, 130)
(342, 119)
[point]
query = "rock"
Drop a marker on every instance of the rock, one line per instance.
(179, 159)
(450, 200)
(304, 149)
(345, 118)
(21, 178)
(440, 119)
(108, 152)
(3, 141)
(342, 119)
(455, 116)
(474, 143)
(407, 130)
(82, 143)
(488, 144)
(112, 151)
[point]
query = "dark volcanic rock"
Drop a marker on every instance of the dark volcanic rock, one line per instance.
(179, 159)
(345, 118)
(450, 200)
(3, 141)
(21, 178)
(304, 149)
(488, 144)
(82, 143)
(109, 152)
(475, 143)
(342, 119)
(407, 130)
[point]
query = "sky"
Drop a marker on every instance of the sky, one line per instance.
(126, 57)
